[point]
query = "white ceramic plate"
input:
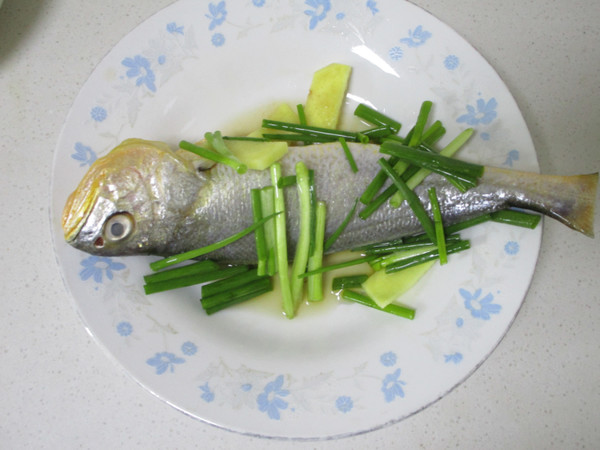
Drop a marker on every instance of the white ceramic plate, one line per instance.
(203, 66)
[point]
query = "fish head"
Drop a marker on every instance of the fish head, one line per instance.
(130, 201)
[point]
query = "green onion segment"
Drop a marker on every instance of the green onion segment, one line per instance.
(303, 245)
(287, 299)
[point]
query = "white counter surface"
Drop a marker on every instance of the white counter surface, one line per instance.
(539, 389)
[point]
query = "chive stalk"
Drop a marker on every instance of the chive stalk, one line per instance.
(191, 269)
(349, 156)
(412, 199)
(315, 260)
(216, 142)
(350, 281)
(340, 229)
(375, 117)
(244, 138)
(434, 162)
(516, 218)
(420, 123)
(237, 295)
(439, 226)
(296, 137)
(268, 208)
(230, 282)
(380, 178)
(192, 254)
(401, 168)
(287, 299)
(342, 265)
(428, 256)
(190, 280)
(301, 114)
(433, 134)
(313, 210)
(327, 133)
(402, 311)
(403, 244)
(303, 243)
(259, 234)
(286, 181)
(213, 156)
(382, 261)
(377, 133)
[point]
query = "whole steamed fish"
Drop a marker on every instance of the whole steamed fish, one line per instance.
(144, 198)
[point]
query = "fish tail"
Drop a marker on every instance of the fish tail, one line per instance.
(568, 199)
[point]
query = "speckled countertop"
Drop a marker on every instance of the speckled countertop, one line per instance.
(539, 389)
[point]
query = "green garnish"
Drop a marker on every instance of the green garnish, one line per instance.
(351, 281)
(301, 114)
(352, 262)
(402, 244)
(340, 229)
(454, 146)
(465, 171)
(287, 300)
(428, 256)
(313, 210)
(230, 281)
(303, 245)
(324, 133)
(375, 117)
(382, 261)
(288, 180)
(236, 295)
(192, 254)
(380, 178)
(412, 199)
(377, 133)
(244, 138)
(407, 172)
(402, 311)
(262, 253)
(190, 269)
(268, 208)
(420, 124)
(439, 226)
(216, 142)
(214, 156)
(295, 137)
(190, 280)
(516, 218)
(315, 260)
(433, 134)
(348, 154)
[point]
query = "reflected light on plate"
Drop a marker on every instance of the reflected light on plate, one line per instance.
(359, 99)
(365, 52)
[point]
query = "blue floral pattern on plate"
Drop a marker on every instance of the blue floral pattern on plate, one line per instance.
(206, 60)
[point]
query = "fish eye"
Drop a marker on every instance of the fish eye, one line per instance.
(118, 226)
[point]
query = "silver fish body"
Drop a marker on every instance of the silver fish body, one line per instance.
(143, 198)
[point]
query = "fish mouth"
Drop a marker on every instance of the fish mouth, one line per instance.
(78, 208)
